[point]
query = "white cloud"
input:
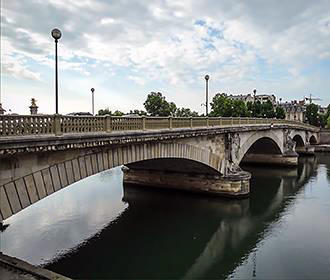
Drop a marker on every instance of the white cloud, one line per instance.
(174, 43)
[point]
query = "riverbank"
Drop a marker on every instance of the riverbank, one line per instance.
(13, 268)
(325, 148)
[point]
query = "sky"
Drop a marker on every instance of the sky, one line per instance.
(126, 49)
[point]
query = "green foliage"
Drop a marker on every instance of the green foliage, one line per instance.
(267, 110)
(279, 112)
(185, 112)
(104, 112)
(322, 120)
(156, 105)
(312, 115)
(117, 113)
(328, 122)
(138, 112)
(223, 106)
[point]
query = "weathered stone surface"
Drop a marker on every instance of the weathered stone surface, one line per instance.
(4, 204)
(48, 181)
(14, 202)
(31, 189)
(22, 193)
(66, 159)
(41, 189)
(234, 186)
(82, 166)
(12, 268)
(69, 171)
(76, 170)
(88, 162)
(63, 176)
(55, 178)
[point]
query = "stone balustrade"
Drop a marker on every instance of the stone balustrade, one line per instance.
(20, 125)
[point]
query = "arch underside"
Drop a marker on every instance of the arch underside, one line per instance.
(24, 191)
(299, 140)
(262, 142)
(313, 140)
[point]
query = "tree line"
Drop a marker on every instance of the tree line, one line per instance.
(221, 106)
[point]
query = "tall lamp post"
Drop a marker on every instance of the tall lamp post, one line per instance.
(207, 77)
(92, 90)
(56, 34)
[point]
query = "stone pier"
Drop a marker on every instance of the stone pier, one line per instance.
(236, 185)
(271, 159)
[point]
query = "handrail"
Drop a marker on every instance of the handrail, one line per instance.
(21, 125)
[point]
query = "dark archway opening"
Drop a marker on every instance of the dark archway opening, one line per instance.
(177, 165)
(299, 141)
(264, 145)
(312, 140)
(260, 151)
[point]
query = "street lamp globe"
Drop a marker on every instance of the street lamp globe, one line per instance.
(92, 90)
(207, 77)
(56, 33)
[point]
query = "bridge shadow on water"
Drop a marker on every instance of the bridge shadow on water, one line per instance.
(172, 234)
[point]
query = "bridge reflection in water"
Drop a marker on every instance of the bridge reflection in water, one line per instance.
(178, 235)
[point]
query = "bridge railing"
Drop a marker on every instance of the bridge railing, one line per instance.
(19, 125)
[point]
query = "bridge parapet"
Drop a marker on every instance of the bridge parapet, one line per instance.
(22, 125)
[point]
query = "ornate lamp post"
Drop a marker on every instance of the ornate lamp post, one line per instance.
(207, 77)
(56, 34)
(92, 90)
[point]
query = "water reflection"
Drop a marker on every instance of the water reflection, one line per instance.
(65, 220)
(180, 235)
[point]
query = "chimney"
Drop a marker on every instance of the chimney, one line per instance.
(33, 107)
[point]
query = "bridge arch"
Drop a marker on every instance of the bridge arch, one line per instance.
(268, 137)
(313, 140)
(24, 191)
(299, 140)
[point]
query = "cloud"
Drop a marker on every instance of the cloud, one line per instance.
(174, 43)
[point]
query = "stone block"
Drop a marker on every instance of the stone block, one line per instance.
(40, 186)
(22, 192)
(31, 188)
(13, 197)
(48, 181)
(4, 204)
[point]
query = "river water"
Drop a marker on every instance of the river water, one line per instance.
(96, 228)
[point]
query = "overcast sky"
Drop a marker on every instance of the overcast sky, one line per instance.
(126, 49)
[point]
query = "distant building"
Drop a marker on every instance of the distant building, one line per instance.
(262, 98)
(294, 111)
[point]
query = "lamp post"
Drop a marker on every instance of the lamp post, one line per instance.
(92, 90)
(207, 77)
(56, 34)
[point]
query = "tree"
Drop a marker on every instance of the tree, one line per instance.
(328, 122)
(239, 109)
(185, 112)
(221, 106)
(137, 112)
(118, 113)
(267, 110)
(156, 105)
(312, 115)
(102, 112)
(279, 112)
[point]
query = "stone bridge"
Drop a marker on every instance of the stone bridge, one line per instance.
(43, 154)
